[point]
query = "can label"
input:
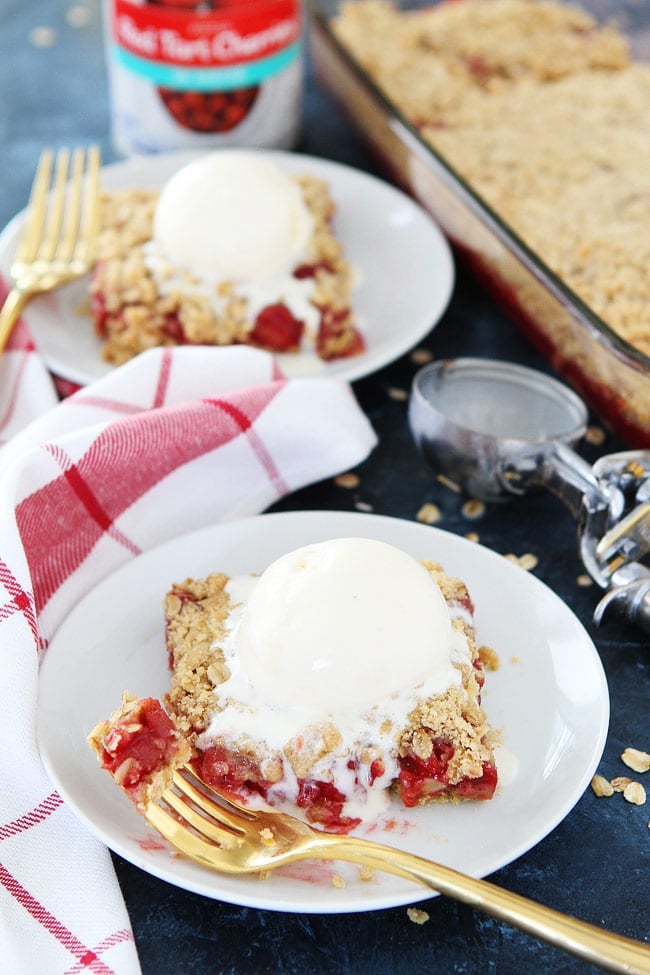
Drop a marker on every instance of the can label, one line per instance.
(182, 78)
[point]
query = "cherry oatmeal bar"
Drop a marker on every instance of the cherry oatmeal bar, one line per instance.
(140, 300)
(422, 744)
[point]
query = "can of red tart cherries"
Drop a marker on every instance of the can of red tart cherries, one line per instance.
(204, 73)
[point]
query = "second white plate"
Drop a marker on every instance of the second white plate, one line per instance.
(405, 267)
(548, 697)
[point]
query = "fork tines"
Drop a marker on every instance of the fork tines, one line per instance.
(63, 212)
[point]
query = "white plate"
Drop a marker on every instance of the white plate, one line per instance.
(548, 696)
(404, 263)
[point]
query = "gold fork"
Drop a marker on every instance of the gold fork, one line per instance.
(60, 229)
(224, 836)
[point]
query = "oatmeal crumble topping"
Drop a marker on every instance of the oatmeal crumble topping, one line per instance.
(454, 590)
(489, 658)
(450, 718)
(305, 750)
(195, 612)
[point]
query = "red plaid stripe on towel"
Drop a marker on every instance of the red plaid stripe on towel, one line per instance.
(26, 388)
(167, 443)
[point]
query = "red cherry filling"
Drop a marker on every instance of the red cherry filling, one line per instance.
(139, 745)
(174, 330)
(481, 788)
(98, 304)
(240, 776)
(233, 773)
(311, 270)
(276, 329)
(420, 778)
(324, 805)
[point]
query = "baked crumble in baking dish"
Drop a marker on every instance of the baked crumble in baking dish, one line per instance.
(543, 112)
(263, 722)
(481, 108)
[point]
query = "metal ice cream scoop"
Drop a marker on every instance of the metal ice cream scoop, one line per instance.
(498, 430)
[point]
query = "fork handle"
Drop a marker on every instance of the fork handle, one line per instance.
(604, 948)
(10, 313)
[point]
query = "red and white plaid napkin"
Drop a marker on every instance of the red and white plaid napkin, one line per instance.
(167, 443)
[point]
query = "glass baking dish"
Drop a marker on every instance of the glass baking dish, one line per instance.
(612, 375)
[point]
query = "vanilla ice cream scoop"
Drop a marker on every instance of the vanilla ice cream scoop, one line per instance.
(343, 625)
(232, 216)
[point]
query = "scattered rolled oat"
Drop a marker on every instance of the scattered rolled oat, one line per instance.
(338, 881)
(448, 483)
(366, 873)
(348, 480)
(584, 581)
(78, 15)
(397, 394)
(421, 356)
(636, 760)
(620, 783)
(429, 514)
(363, 506)
(473, 508)
(601, 786)
(528, 561)
(43, 37)
(489, 658)
(417, 916)
(472, 536)
(595, 436)
(634, 793)
(267, 837)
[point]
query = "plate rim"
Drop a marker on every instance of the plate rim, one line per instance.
(347, 369)
(209, 886)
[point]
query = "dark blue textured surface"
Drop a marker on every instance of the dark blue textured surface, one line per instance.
(595, 863)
